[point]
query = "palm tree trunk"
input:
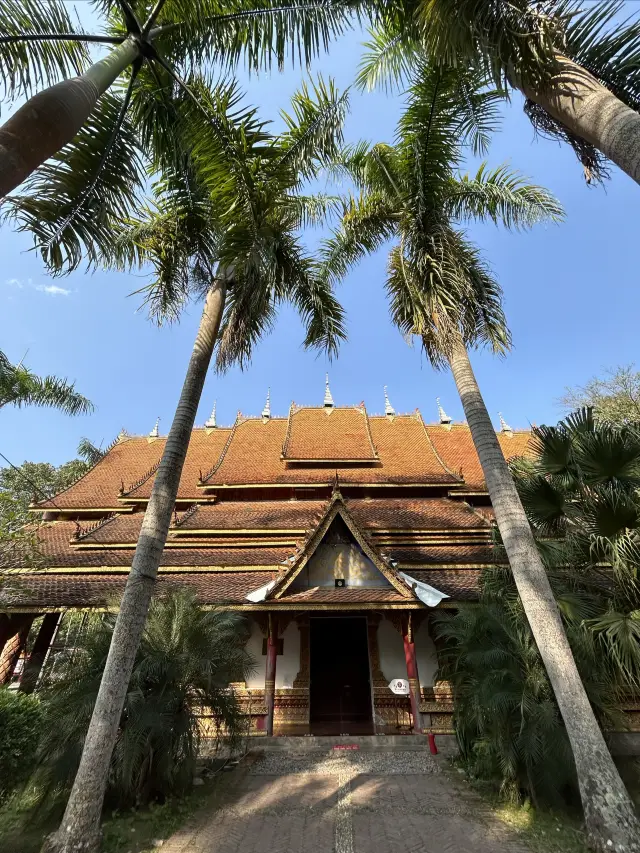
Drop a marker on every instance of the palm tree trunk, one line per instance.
(50, 119)
(591, 112)
(609, 814)
(80, 827)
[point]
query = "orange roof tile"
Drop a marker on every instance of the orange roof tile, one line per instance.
(414, 514)
(253, 515)
(328, 434)
(253, 455)
(125, 462)
(204, 449)
(456, 449)
(57, 550)
(96, 590)
(459, 585)
(438, 554)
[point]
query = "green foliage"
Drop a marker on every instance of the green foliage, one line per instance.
(151, 126)
(20, 730)
(439, 287)
(580, 492)
(512, 42)
(20, 387)
(186, 660)
(614, 398)
(27, 65)
(235, 211)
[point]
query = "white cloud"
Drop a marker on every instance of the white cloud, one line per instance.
(53, 290)
(14, 282)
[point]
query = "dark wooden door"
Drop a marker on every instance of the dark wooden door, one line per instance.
(340, 692)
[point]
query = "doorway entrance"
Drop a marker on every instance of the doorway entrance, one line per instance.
(340, 689)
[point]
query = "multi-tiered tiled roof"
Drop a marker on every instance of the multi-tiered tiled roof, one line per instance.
(256, 499)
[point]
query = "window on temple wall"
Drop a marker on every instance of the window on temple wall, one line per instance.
(339, 557)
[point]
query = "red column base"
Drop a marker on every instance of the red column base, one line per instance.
(433, 749)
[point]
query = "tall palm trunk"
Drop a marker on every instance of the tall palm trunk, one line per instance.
(50, 119)
(590, 111)
(609, 813)
(80, 827)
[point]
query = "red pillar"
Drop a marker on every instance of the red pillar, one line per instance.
(18, 633)
(39, 651)
(270, 675)
(5, 630)
(412, 673)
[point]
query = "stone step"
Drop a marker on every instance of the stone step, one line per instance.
(310, 743)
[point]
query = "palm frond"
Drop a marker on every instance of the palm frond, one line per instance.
(502, 195)
(367, 222)
(70, 204)
(260, 33)
(314, 128)
(388, 60)
(20, 387)
(26, 64)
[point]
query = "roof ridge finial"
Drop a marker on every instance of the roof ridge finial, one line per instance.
(388, 408)
(504, 426)
(155, 432)
(328, 399)
(122, 435)
(442, 415)
(266, 412)
(211, 423)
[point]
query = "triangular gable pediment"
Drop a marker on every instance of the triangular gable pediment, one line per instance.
(368, 565)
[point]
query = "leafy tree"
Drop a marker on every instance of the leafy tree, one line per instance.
(34, 481)
(116, 124)
(441, 290)
(615, 399)
(245, 260)
(23, 485)
(21, 727)
(186, 659)
(577, 67)
(20, 387)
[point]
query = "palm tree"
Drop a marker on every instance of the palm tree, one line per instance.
(245, 259)
(440, 290)
(185, 662)
(580, 491)
(578, 68)
(156, 44)
(20, 387)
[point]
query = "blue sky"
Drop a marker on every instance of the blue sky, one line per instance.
(570, 294)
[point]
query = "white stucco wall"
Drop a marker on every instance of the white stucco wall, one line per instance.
(425, 655)
(287, 664)
(392, 660)
(254, 647)
(391, 650)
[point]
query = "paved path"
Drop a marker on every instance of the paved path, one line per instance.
(344, 802)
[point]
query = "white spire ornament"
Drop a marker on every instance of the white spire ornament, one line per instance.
(155, 432)
(266, 412)
(443, 417)
(388, 408)
(122, 435)
(504, 426)
(328, 399)
(211, 422)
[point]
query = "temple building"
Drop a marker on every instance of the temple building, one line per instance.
(338, 533)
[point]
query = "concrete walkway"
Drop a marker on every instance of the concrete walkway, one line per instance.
(344, 802)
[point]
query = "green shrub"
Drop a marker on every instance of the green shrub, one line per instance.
(20, 726)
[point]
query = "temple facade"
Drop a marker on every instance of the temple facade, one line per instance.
(338, 533)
